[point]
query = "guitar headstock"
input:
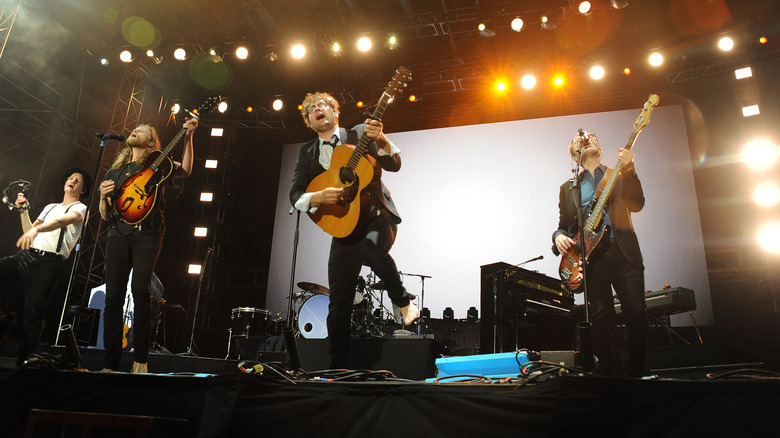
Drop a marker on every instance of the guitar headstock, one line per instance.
(208, 105)
(400, 79)
(644, 116)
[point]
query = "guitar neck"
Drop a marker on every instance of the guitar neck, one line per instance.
(165, 152)
(362, 146)
(590, 225)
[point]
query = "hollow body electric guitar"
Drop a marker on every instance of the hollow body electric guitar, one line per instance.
(136, 197)
(571, 268)
(352, 169)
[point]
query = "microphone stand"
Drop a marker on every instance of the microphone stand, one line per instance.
(290, 294)
(189, 351)
(421, 322)
(583, 335)
(77, 248)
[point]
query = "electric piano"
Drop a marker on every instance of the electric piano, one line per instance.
(667, 301)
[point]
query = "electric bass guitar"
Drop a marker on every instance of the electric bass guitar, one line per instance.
(572, 268)
(352, 169)
(136, 197)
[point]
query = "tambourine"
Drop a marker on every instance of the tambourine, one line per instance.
(11, 192)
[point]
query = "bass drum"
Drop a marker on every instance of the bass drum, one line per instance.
(313, 316)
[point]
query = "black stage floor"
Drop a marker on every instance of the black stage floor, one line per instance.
(206, 397)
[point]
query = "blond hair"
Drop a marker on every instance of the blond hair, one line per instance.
(126, 154)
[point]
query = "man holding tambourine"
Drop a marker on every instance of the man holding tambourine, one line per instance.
(43, 248)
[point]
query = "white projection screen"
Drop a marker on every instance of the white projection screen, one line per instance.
(475, 195)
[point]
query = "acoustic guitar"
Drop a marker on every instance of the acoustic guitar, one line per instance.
(571, 268)
(136, 197)
(353, 170)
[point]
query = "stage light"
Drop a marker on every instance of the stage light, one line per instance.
(558, 81)
(627, 71)
(103, 61)
(200, 232)
(618, 4)
(484, 31)
(472, 315)
(750, 110)
(222, 107)
(584, 8)
(211, 164)
(249, 109)
(412, 98)
(175, 108)
(517, 24)
(126, 56)
(528, 81)
(194, 269)
(742, 73)
(150, 53)
(206, 197)
(359, 104)
(546, 23)
(762, 40)
(500, 86)
(448, 313)
(768, 237)
(180, 54)
(364, 44)
(655, 59)
(759, 154)
(277, 104)
(597, 72)
(298, 51)
(300, 107)
(242, 52)
(725, 44)
(336, 49)
(392, 42)
(766, 194)
(217, 132)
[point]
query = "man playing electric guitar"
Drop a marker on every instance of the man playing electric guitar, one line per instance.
(619, 263)
(371, 244)
(134, 246)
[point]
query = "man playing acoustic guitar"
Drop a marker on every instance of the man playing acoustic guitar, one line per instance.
(371, 244)
(134, 246)
(619, 264)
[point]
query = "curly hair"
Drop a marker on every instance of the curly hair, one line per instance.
(313, 99)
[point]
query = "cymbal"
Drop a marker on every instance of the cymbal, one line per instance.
(377, 286)
(314, 288)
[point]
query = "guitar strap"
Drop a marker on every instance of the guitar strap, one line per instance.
(61, 237)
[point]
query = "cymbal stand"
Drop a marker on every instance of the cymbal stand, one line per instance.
(421, 321)
(189, 351)
(155, 345)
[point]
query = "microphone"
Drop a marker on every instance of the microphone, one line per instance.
(535, 259)
(583, 136)
(104, 137)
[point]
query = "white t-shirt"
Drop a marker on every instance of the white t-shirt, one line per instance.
(47, 241)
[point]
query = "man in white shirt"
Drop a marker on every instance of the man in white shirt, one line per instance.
(43, 248)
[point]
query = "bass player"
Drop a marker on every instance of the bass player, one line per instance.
(619, 265)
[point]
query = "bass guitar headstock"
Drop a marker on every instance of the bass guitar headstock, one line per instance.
(644, 115)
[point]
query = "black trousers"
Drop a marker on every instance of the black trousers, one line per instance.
(137, 251)
(347, 256)
(612, 269)
(39, 275)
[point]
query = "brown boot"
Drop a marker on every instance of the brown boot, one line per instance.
(140, 368)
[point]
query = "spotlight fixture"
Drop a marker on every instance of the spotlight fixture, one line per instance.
(211, 164)
(242, 52)
(517, 24)
(618, 4)
(768, 237)
(222, 107)
(656, 59)
(597, 72)
(546, 23)
(200, 232)
(277, 104)
(298, 51)
(175, 108)
(335, 49)
(528, 81)
(126, 56)
(180, 54)
(584, 8)
(484, 31)
(448, 313)
(472, 315)
(750, 110)
(392, 42)
(364, 44)
(725, 44)
(217, 132)
(103, 61)
(194, 269)
(206, 197)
